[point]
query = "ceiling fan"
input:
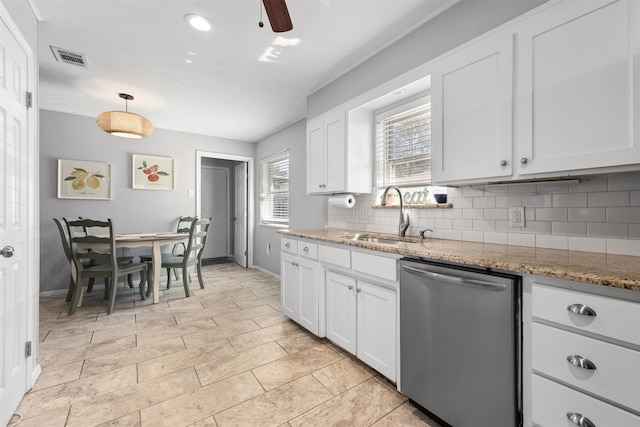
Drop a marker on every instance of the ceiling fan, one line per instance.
(278, 15)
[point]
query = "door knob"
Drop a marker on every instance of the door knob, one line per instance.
(7, 251)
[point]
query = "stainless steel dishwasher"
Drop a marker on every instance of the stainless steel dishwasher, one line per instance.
(460, 343)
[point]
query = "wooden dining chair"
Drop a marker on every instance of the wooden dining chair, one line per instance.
(68, 252)
(184, 226)
(101, 261)
(192, 256)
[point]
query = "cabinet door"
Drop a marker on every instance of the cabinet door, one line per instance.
(471, 112)
(341, 310)
(308, 316)
(578, 87)
(377, 328)
(290, 285)
(315, 156)
(336, 153)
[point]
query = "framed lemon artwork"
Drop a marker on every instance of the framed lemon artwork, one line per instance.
(81, 179)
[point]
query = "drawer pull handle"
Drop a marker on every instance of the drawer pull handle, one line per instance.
(582, 310)
(580, 420)
(581, 362)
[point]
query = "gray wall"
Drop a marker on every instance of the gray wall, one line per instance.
(304, 211)
(460, 23)
(75, 137)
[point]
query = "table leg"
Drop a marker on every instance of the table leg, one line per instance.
(157, 268)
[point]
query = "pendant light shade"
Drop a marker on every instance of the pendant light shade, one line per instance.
(123, 123)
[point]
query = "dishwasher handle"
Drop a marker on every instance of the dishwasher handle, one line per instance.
(455, 280)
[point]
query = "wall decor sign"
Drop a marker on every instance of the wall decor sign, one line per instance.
(152, 172)
(80, 179)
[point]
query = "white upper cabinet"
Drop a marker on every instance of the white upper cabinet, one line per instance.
(577, 91)
(471, 112)
(339, 153)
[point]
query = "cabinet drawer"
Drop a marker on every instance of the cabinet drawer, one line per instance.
(289, 245)
(309, 250)
(336, 256)
(378, 266)
(551, 402)
(613, 318)
(616, 375)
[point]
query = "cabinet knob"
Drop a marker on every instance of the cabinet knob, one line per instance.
(358, 290)
(288, 245)
(581, 362)
(524, 160)
(350, 287)
(319, 185)
(582, 310)
(306, 249)
(580, 420)
(503, 163)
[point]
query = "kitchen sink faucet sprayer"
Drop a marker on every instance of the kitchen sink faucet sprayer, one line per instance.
(404, 217)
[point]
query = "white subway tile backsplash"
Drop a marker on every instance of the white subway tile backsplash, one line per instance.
(508, 201)
(462, 224)
(602, 199)
(495, 237)
(551, 214)
(497, 213)
(472, 236)
(569, 228)
(628, 215)
(538, 200)
(573, 200)
(552, 242)
(588, 214)
(624, 182)
(600, 214)
(608, 230)
(484, 202)
(521, 239)
(623, 247)
(587, 244)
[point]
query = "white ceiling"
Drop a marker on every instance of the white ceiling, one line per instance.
(141, 47)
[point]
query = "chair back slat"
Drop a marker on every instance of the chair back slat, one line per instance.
(64, 237)
(197, 238)
(104, 250)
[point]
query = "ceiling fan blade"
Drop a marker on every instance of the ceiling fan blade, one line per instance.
(278, 15)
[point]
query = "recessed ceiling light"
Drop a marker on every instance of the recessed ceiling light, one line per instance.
(198, 22)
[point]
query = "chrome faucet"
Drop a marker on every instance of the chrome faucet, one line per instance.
(404, 217)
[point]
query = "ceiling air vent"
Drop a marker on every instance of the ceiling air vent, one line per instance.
(68, 57)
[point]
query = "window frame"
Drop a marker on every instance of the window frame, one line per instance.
(267, 191)
(381, 115)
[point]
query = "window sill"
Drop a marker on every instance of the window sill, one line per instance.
(280, 226)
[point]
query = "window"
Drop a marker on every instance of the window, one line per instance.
(403, 144)
(274, 192)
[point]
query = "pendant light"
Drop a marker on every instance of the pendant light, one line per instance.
(124, 123)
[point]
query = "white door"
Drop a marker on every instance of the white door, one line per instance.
(215, 203)
(240, 215)
(308, 316)
(17, 202)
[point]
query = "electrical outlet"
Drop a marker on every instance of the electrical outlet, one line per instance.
(516, 215)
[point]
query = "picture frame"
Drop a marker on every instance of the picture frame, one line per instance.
(83, 179)
(152, 172)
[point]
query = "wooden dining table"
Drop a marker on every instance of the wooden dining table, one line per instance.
(155, 241)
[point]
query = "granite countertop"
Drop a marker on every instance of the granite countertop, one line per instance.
(618, 271)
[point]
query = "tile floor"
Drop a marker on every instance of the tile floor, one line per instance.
(224, 357)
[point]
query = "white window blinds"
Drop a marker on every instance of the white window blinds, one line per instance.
(274, 192)
(403, 145)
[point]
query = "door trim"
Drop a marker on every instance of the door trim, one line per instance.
(250, 192)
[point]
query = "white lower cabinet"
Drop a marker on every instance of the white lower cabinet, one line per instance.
(299, 290)
(584, 359)
(361, 317)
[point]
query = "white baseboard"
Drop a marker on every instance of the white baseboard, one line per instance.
(265, 271)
